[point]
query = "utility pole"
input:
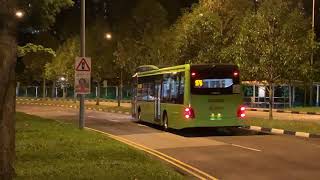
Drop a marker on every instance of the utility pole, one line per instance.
(82, 54)
(313, 19)
(312, 54)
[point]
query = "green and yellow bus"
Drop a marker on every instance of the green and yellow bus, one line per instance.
(187, 96)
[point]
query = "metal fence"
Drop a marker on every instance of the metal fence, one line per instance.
(110, 92)
(254, 95)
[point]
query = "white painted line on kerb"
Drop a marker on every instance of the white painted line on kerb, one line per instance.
(302, 134)
(256, 128)
(112, 120)
(277, 131)
(244, 147)
(142, 125)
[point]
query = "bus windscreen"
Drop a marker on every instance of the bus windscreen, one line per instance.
(222, 79)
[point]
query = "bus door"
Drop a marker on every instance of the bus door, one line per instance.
(134, 97)
(157, 110)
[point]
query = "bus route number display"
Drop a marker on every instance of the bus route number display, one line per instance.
(198, 83)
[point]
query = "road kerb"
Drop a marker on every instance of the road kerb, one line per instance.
(186, 167)
(282, 132)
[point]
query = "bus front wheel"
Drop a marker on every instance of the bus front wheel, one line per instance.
(165, 123)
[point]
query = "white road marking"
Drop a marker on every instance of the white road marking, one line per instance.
(252, 149)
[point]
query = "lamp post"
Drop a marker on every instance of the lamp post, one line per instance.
(108, 36)
(63, 82)
(19, 14)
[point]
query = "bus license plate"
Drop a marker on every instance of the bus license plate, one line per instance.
(215, 116)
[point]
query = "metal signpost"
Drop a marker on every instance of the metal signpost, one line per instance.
(82, 54)
(82, 82)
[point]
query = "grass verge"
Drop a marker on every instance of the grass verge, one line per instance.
(309, 127)
(47, 149)
(305, 109)
(107, 106)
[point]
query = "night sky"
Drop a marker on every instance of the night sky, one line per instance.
(115, 11)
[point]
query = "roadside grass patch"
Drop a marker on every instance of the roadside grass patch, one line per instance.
(309, 127)
(88, 104)
(47, 149)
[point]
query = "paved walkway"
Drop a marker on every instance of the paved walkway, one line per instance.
(284, 116)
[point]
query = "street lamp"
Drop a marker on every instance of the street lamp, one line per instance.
(19, 14)
(108, 36)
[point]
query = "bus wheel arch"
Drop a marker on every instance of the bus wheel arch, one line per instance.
(165, 121)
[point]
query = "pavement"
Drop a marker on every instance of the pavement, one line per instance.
(224, 154)
(284, 116)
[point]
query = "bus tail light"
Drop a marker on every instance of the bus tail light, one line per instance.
(189, 113)
(241, 113)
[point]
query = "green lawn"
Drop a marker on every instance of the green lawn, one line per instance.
(47, 149)
(309, 127)
(305, 109)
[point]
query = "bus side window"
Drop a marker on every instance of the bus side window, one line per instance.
(177, 88)
(166, 89)
(181, 89)
(172, 88)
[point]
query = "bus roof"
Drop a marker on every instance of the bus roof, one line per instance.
(179, 68)
(163, 70)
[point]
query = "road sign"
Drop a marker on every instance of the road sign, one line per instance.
(82, 75)
(82, 65)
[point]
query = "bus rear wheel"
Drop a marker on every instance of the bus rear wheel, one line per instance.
(165, 124)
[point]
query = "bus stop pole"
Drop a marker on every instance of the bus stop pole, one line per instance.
(83, 54)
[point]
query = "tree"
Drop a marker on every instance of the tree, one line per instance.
(100, 49)
(142, 43)
(63, 64)
(205, 32)
(143, 34)
(34, 57)
(273, 45)
(8, 52)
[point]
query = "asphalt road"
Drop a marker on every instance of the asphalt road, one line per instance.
(224, 154)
